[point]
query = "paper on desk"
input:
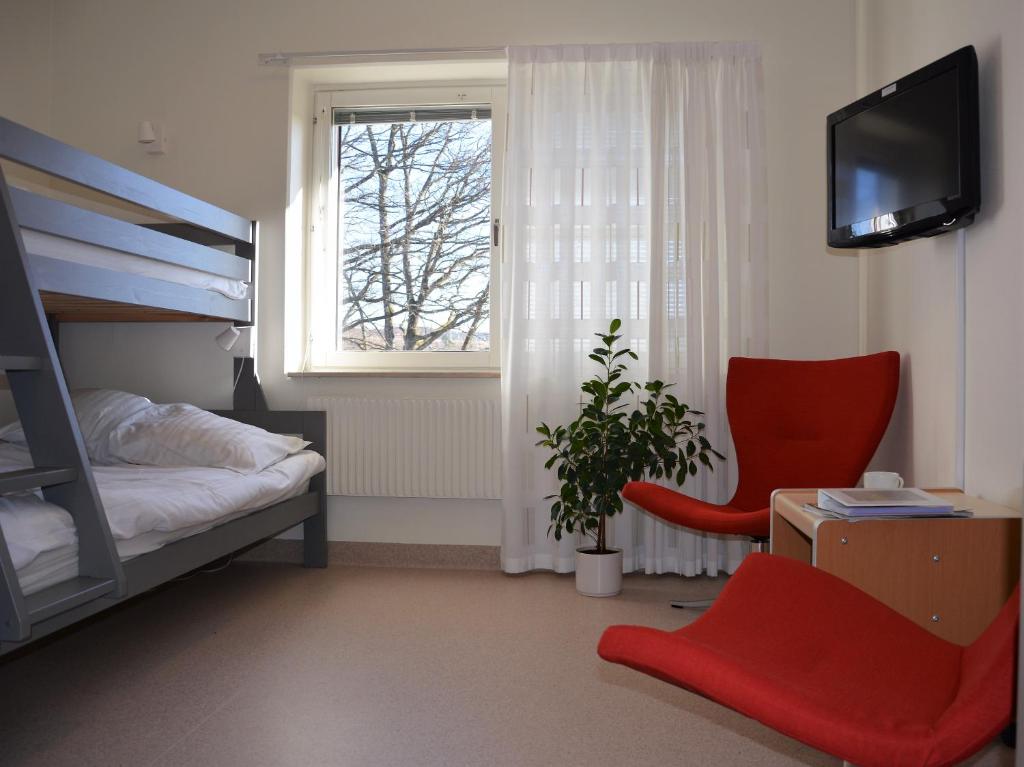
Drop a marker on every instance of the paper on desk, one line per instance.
(918, 514)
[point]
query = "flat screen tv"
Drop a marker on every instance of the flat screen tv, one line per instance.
(903, 162)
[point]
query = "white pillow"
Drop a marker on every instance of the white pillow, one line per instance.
(184, 435)
(99, 412)
(12, 432)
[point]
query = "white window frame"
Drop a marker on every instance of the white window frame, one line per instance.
(324, 228)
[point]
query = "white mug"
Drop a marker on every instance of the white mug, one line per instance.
(888, 480)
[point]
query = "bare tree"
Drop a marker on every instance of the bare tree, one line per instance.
(415, 272)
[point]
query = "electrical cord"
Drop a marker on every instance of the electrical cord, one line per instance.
(205, 571)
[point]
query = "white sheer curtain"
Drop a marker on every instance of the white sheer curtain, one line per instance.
(634, 188)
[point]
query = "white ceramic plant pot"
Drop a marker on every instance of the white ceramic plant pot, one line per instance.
(598, 575)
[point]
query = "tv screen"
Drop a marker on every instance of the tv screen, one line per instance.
(904, 160)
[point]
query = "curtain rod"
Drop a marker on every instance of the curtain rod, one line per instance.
(283, 58)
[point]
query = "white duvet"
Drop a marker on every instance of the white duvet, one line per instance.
(147, 506)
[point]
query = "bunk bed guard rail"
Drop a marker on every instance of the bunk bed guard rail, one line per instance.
(187, 233)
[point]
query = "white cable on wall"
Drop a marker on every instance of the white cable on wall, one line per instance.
(960, 288)
(863, 59)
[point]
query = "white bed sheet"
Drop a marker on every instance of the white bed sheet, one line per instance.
(147, 507)
(42, 244)
(49, 568)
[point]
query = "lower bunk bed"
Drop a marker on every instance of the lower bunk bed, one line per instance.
(165, 521)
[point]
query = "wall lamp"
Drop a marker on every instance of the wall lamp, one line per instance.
(151, 136)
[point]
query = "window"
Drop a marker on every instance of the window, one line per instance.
(405, 230)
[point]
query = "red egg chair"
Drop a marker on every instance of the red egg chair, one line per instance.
(821, 661)
(794, 424)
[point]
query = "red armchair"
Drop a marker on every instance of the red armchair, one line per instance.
(794, 424)
(821, 661)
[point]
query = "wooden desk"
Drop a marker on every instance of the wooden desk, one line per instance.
(950, 576)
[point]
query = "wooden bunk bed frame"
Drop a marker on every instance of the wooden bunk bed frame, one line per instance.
(37, 293)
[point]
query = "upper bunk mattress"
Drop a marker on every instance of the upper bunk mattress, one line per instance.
(147, 507)
(42, 244)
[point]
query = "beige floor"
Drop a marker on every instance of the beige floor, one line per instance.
(276, 665)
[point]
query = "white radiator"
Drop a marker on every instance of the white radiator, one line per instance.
(412, 448)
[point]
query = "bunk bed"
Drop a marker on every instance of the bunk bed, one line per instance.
(183, 259)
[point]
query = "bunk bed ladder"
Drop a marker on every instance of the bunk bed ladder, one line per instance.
(61, 467)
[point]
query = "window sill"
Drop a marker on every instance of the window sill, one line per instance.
(393, 373)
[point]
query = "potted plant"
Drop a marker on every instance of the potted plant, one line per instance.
(610, 444)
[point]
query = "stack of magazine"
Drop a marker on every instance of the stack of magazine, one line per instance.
(871, 503)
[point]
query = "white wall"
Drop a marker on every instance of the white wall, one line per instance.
(26, 63)
(191, 64)
(909, 298)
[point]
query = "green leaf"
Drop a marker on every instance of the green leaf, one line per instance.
(616, 324)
